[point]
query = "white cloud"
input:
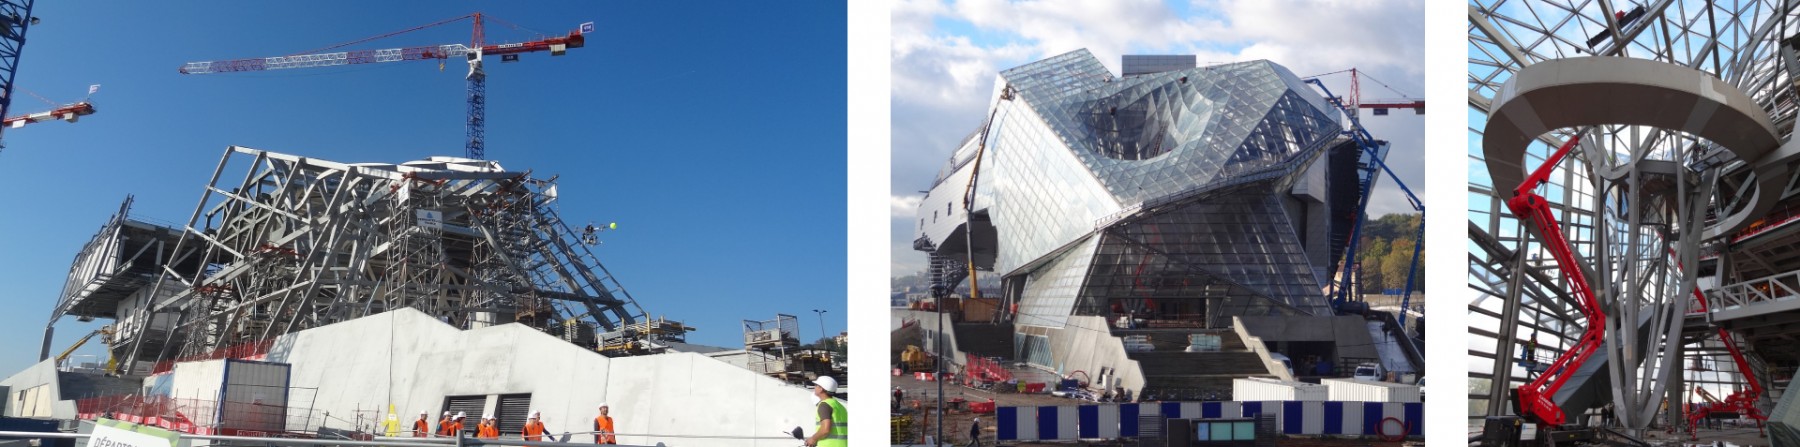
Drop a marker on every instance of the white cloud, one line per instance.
(904, 206)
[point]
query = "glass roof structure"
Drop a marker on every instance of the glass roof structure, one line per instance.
(1738, 42)
(1161, 191)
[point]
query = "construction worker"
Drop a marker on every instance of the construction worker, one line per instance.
(443, 425)
(975, 432)
(422, 427)
(834, 421)
(603, 427)
(456, 424)
(488, 428)
(534, 427)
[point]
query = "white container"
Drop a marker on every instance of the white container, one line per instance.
(1260, 389)
(1350, 390)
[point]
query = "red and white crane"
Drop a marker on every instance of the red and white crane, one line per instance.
(474, 52)
(70, 113)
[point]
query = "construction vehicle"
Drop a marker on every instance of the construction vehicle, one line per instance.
(105, 333)
(474, 52)
(1533, 400)
(1741, 402)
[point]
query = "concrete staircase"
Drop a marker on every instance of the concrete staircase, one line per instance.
(1194, 375)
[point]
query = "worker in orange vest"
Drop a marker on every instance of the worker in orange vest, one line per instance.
(534, 427)
(422, 427)
(603, 427)
(443, 424)
(489, 429)
(456, 425)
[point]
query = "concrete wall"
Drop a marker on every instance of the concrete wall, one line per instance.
(36, 393)
(1086, 344)
(411, 361)
(928, 326)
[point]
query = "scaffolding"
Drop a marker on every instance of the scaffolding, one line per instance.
(297, 243)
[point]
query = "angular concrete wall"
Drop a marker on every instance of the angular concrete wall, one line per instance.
(407, 359)
(1085, 344)
(40, 381)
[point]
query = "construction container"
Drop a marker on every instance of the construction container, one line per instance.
(1260, 389)
(1351, 390)
(1138, 343)
(1204, 343)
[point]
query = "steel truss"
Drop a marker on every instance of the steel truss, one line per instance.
(298, 243)
(1632, 199)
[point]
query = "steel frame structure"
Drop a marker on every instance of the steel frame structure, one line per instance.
(1622, 229)
(297, 243)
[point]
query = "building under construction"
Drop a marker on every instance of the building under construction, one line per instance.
(1155, 234)
(281, 243)
(471, 290)
(1632, 221)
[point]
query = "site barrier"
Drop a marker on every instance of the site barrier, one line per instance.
(1115, 421)
(983, 369)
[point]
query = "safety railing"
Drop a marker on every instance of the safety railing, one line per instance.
(1773, 293)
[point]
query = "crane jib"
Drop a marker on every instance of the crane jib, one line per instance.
(326, 59)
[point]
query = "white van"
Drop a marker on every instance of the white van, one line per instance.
(1367, 371)
(1284, 361)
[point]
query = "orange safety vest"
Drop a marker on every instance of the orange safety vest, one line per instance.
(454, 428)
(420, 428)
(604, 423)
(486, 430)
(443, 427)
(534, 431)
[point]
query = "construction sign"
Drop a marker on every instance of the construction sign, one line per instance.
(116, 433)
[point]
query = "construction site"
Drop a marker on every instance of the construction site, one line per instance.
(1632, 220)
(1165, 255)
(319, 301)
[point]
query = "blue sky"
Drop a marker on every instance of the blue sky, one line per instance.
(713, 133)
(947, 53)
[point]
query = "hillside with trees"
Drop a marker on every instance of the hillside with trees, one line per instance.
(1386, 251)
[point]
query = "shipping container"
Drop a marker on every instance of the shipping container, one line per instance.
(1351, 390)
(1260, 389)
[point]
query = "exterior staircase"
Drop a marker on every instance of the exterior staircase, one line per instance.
(1171, 373)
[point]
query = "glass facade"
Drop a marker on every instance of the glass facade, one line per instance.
(1163, 194)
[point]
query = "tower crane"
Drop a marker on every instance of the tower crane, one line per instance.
(1351, 104)
(70, 113)
(473, 53)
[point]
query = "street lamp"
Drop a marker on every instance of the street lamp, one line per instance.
(822, 334)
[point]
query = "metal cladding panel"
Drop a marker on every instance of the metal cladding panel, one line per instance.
(1109, 424)
(470, 406)
(1352, 419)
(514, 408)
(1128, 416)
(1262, 389)
(1334, 418)
(254, 396)
(1066, 417)
(1027, 422)
(1350, 390)
(1006, 424)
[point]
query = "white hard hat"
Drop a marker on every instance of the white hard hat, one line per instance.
(535, 413)
(603, 404)
(826, 382)
(460, 415)
(424, 413)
